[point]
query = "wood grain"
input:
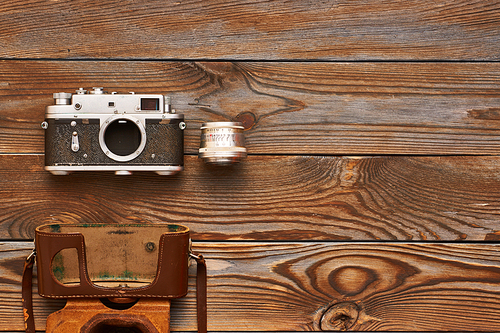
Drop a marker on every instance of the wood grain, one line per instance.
(287, 108)
(265, 30)
(321, 286)
(269, 198)
(373, 131)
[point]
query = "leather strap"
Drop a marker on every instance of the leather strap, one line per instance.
(201, 292)
(29, 322)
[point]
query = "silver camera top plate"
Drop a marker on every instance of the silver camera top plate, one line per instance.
(97, 102)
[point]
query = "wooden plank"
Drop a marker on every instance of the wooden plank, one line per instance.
(326, 30)
(321, 286)
(269, 198)
(287, 108)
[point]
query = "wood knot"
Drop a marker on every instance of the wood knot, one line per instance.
(492, 236)
(351, 280)
(247, 119)
(340, 317)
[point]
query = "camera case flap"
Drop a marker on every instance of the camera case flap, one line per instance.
(112, 260)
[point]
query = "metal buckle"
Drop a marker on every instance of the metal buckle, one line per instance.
(191, 253)
(31, 257)
(195, 256)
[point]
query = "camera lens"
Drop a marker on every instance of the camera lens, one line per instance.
(222, 143)
(122, 137)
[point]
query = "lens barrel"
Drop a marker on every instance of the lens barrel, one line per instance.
(222, 143)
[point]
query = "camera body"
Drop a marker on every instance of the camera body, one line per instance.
(97, 131)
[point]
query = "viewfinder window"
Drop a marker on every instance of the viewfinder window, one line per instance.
(150, 104)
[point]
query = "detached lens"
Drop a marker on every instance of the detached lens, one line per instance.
(222, 143)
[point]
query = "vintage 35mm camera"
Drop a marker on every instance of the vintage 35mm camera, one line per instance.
(98, 131)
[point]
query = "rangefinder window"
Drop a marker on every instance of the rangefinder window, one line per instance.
(122, 137)
(150, 104)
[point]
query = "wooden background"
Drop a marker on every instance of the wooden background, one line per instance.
(370, 196)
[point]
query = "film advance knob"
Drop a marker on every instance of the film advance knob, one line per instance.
(62, 98)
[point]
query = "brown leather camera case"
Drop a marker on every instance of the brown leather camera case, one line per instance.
(119, 262)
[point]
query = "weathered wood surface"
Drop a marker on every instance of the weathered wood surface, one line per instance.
(267, 30)
(287, 108)
(412, 81)
(269, 198)
(320, 286)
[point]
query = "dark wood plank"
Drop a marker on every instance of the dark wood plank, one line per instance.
(269, 198)
(321, 286)
(287, 108)
(326, 30)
